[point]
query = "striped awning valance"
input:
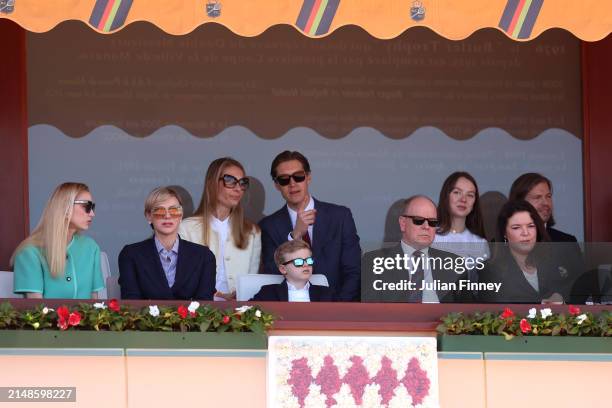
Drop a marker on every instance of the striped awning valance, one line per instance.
(590, 20)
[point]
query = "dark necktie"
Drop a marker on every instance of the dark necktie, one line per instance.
(416, 295)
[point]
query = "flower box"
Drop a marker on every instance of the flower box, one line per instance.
(131, 339)
(525, 344)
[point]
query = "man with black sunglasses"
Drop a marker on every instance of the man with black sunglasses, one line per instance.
(328, 228)
(412, 271)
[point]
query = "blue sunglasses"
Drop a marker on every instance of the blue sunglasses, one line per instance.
(300, 261)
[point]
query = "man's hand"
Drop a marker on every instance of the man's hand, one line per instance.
(304, 219)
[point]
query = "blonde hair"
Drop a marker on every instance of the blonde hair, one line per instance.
(159, 195)
(240, 226)
(289, 247)
(51, 233)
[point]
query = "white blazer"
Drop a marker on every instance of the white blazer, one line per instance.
(237, 261)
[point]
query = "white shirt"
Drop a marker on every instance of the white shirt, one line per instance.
(429, 296)
(221, 228)
(293, 216)
(298, 295)
(465, 244)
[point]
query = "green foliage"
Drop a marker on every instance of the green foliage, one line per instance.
(534, 324)
(101, 317)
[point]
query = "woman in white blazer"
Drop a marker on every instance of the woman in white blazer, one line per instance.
(219, 224)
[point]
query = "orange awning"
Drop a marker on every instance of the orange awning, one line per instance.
(590, 20)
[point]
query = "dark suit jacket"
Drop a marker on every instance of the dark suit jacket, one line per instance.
(559, 236)
(280, 293)
(579, 283)
(336, 249)
(515, 287)
(141, 275)
(369, 294)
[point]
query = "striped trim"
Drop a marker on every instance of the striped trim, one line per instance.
(450, 355)
(316, 16)
(84, 352)
(194, 353)
(109, 15)
(548, 357)
(519, 17)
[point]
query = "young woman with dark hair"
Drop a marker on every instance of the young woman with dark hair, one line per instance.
(461, 228)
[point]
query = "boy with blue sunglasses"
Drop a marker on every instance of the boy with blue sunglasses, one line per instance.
(294, 260)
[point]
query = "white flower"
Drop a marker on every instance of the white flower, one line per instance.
(532, 313)
(99, 305)
(193, 306)
(154, 310)
(243, 309)
(258, 313)
(545, 313)
(580, 319)
(46, 310)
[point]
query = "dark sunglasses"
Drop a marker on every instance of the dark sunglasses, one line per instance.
(300, 261)
(89, 206)
(230, 181)
(285, 179)
(432, 222)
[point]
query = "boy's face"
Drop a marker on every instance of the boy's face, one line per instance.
(293, 273)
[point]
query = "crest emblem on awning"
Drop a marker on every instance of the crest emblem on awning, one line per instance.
(213, 8)
(7, 6)
(417, 11)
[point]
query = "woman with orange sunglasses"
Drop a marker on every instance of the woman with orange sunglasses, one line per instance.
(165, 266)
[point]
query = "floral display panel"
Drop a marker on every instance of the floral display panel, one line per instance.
(327, 371)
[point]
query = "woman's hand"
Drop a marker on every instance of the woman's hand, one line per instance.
(226, 296)
(555, 299)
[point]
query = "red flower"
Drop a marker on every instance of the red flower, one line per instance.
(114, 305)
(182, 311)
(193, 314)
(226, 319)
(508, 314)
(525, 326)
(574, 310)
(74, 318)
(63, 312)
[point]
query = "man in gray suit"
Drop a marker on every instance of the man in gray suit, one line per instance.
(411, 271)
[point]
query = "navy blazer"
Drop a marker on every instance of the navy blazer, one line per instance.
(336, 249)
(279, 292)
(141, 275)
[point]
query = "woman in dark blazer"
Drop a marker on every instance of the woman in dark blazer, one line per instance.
(522, 262)
(165, 266)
